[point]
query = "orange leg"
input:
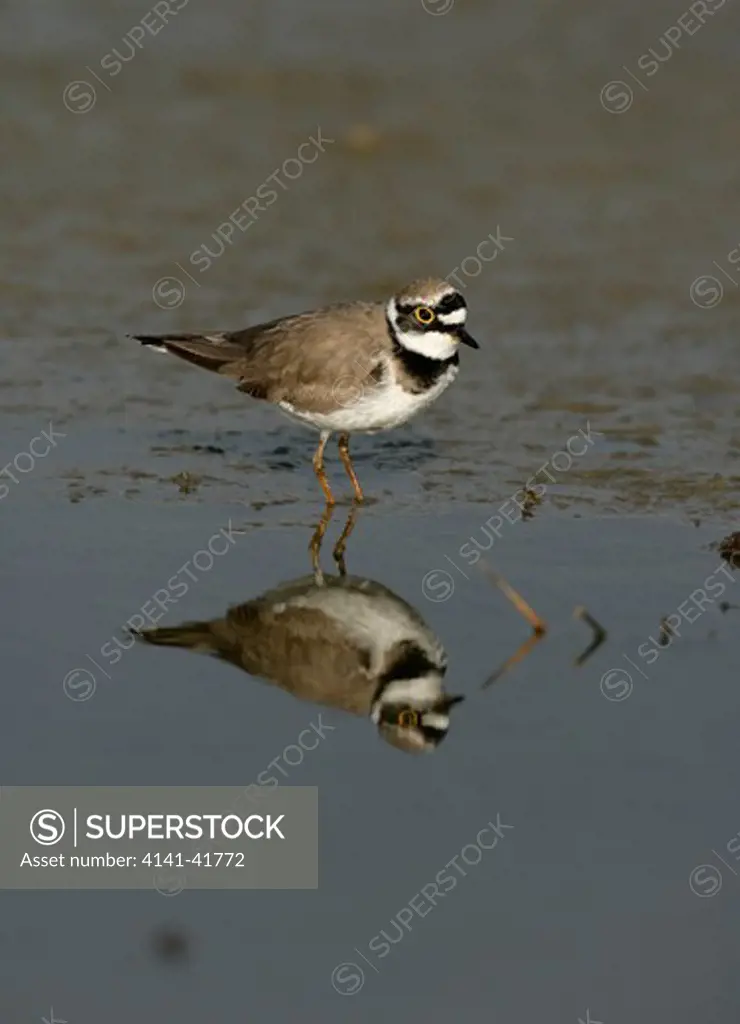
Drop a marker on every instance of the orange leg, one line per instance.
(341, 544)
(318, 466)
(347, 463)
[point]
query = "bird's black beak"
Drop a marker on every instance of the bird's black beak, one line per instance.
(466, 339)
(449, 701)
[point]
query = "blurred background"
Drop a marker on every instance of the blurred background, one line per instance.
(598, 143)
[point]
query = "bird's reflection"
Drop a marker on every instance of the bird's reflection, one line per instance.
(339, 640)
(350, 643)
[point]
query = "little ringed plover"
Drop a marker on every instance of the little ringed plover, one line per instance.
(351, 367)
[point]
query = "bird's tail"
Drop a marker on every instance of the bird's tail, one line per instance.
(209, 351)
(194, 636)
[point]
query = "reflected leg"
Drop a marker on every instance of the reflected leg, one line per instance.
(341, 544)
(316, 540)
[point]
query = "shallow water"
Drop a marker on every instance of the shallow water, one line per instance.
(616, 787)
(446, 129)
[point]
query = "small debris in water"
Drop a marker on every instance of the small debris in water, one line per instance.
(729, 548)
(186, 482)
(171, 945)
(362, 138)
(599, 632)
(539, 626)
(76, 492)
(212, 449)
(666, 633)
(581, 613)
(531, 501)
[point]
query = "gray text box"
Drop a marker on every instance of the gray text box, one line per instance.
(168, 838)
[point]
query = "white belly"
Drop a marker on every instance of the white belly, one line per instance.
(379, 407)
(376, 623)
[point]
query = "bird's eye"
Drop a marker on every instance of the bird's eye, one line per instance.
(424, 315)
(408, 719)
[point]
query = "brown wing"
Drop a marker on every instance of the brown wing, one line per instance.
(317, 361)
(302, 650)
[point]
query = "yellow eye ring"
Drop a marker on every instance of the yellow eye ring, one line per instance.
(407, 719)
(424, 315)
